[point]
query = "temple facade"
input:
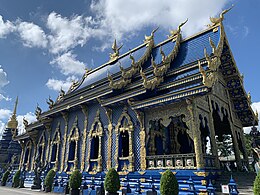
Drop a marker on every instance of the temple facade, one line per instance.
(157, 107)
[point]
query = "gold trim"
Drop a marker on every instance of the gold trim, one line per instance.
(83, 156)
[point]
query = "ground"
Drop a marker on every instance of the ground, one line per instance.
(24, 191)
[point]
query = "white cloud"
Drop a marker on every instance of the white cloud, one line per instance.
(256, 107)
(5, 27)
(2, 97)
(56, 85)
(68, 64)
(5, 114)
(30, 117)
(66, 33)
(120, 17)
(32, 35)
(2, 128)
(3, 78)
(3, 82)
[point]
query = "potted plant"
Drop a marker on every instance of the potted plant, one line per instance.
(5, 177)
(75, 182)
(16, 179)
(49, 180)
(257, 185)
(169, 184)
(112, 182)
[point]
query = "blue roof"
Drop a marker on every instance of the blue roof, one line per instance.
(191, 49)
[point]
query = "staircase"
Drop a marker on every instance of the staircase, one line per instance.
(244, 181)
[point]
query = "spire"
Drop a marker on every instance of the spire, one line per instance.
(13, 123)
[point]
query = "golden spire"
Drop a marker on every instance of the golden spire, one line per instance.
(13, 123)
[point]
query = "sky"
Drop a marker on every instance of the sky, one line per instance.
(46, 44)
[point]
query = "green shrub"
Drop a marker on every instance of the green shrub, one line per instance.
(257, 185)
(5, 177)
(112, 182)
(49, 178)
(16, 179)
(169, 184)
(75, 180)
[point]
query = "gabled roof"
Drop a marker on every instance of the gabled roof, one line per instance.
(155, 74)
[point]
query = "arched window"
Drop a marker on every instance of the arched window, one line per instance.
(124, 142)
(55, 147)
(95, 139)
(73, 139)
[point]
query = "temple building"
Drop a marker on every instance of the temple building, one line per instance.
(159, 106)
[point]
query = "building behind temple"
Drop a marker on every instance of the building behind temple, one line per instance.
(158, 106)
(9, 147)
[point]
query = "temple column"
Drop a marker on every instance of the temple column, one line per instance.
(48, 130)
(85, 111)
(140, 117)
(22, 144)
(63, 157)
(34, 140)
(192, 108)
(235, 146)
(109, 140)
(244, 146)
(212, 131)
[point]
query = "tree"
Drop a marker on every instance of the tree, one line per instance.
(112, 181)
(169, 184)
(225, 148)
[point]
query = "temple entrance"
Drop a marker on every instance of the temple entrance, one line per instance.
(170, 146)
(173, 139)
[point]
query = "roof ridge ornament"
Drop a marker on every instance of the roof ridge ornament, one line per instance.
(216, 21)
(114, 56)
(50, 102)
(173, 33)
(208, 79)
(38, 112)
(148, 39)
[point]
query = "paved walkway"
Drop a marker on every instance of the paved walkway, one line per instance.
(22, 191)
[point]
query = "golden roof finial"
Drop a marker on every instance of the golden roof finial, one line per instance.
(115, 48)
(13, 123)
(218, 20)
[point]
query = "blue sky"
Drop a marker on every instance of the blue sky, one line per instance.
(46, 44)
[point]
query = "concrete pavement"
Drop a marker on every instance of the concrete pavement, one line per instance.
(22, 191)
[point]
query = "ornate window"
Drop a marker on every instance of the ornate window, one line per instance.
(41, 147)
(124, 156)
(72, 152)
(55, 147)
(95, 139)
(27, 155)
